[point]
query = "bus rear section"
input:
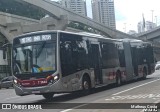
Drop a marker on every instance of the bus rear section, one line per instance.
(136, 58)
(143, 58)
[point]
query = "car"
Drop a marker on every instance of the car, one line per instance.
(157, 66)
(6, 82)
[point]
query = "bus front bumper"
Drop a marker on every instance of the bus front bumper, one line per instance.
(21, 91)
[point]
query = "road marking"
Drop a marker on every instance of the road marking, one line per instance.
(12, 97)
(135, 87)
(74, 108)
(112, 94)
(66, 110)
(138, 96)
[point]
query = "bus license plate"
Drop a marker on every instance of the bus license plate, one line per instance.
(35, 92)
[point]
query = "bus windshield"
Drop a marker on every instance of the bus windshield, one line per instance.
(36, 58)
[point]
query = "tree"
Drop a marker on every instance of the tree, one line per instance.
(21, 9)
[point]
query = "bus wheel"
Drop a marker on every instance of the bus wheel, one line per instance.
(86, 84)
(48, 96)
(118, 79)
(144, 73)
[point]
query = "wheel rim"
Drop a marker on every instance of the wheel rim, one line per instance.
(86, 85)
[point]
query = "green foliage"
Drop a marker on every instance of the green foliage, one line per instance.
(82, 26)
(21, 9)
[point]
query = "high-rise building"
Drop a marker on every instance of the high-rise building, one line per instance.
(78, 6)
(148, 25)
(140, 27)
(103, 12)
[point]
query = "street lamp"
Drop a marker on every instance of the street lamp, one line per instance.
(125, 27)
(152, 15)
(156, 20)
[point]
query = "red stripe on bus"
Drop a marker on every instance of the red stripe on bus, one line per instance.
(33, 83)
(112, 75)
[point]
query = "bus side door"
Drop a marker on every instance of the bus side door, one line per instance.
(96, 62)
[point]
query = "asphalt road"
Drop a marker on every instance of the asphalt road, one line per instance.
(135, 95)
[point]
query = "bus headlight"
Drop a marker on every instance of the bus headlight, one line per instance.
(15, 81)
(52, 79)
(56, 77)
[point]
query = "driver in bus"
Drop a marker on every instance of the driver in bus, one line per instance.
(46, 61)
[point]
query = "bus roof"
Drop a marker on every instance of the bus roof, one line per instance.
(133, 41)
(76, 33)
(92, 35)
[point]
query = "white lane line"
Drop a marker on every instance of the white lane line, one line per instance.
(73, 108)
(112, 94)
(66, 110)
(12, 97)
(135, 87)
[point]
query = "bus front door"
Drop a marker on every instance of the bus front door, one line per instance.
(95, 58)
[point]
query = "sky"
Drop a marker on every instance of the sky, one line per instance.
(129, 12)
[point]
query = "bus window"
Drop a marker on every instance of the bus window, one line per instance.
(121, 58)
(23, 59)
(109, 55)
(45, 59)
(34, 58)
(73, 53)
(66, 58)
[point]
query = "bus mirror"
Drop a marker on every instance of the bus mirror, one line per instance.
(4, 54)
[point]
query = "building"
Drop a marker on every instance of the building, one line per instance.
(78, 6)
(145, 26)
(149, 25)
(140, 27)
(103, 12)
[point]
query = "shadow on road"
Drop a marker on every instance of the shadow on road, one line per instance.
(70, 96)
(61, 101)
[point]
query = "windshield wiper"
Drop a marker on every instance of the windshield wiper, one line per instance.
(26, 72)
(40, 49)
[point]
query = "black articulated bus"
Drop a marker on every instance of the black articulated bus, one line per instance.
(50, 62)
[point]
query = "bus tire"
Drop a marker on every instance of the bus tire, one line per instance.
(48, 96)
(118, 79)
(144, 73)
(86, 85)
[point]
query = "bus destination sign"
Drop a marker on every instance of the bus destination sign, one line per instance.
(35, 38)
